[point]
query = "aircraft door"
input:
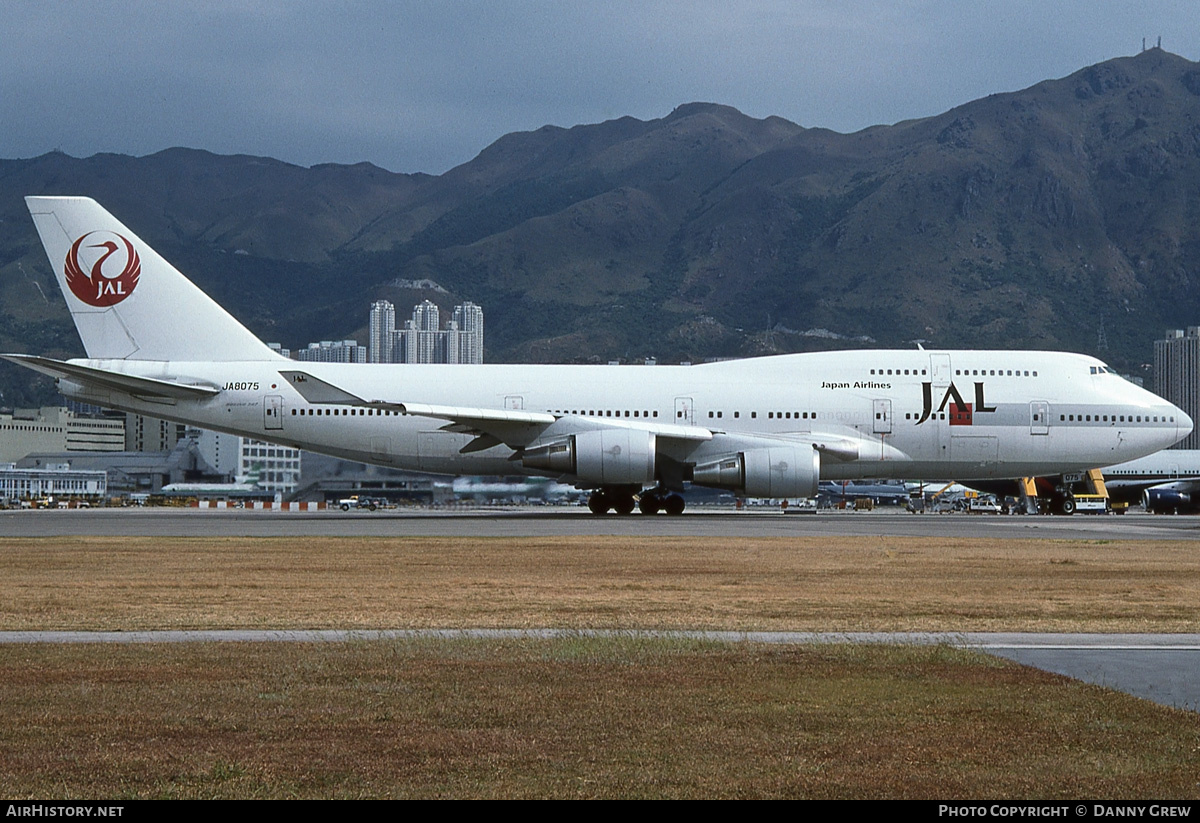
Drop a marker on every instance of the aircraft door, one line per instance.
(1039, 417)
(684, 412)
(273, 412)
(883, 416)
(514, 401)
(939, 371)
(941, 377)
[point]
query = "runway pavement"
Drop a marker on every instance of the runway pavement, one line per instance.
(1162, 668)
(551, 521)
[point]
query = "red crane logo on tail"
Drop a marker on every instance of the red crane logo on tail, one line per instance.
(102, 268)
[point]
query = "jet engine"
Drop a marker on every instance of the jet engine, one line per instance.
(776, 471)
(606, 457)
(1166, 501)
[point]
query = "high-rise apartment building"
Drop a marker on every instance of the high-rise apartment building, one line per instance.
(381, 339)
(468, 319)
(421, 340)
(418, 341)
(426, 316)
(1177, 375)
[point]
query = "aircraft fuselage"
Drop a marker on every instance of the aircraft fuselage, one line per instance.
(902, 414)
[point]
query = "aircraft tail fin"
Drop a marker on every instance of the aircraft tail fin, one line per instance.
(126, 300)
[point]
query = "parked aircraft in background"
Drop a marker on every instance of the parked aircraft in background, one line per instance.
(766, 427)
(830, 493)
(1167, 482)
(1164, 482)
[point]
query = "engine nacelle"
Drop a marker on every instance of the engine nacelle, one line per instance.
(1166, 501)
(605, 457)
(776, 471)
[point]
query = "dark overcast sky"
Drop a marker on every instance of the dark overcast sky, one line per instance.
(424, 86)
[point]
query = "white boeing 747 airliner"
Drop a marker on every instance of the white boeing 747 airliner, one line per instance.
(764, 427)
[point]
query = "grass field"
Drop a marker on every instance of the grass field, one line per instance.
(805, 584)
(582, 716)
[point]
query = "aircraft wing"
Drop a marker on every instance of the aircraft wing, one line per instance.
(315, 390)
(127, 383)
(515, 428)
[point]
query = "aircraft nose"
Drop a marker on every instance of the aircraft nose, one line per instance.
(1183, 424)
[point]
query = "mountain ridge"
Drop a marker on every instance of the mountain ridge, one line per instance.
(1055, 216)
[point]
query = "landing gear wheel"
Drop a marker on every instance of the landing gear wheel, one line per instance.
(650, 503)
(623, 503)
(599, 503)
(1067, 506)
(673, 505)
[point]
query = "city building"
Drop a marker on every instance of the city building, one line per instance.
(56, 480)
(1177, 375)
(333, 351)
(268, 466)
(421, 340)
(57, 429)
(468, 319)
(131, 473)
(95, 434)
(418, 341)
(151, 434)
(381, 337)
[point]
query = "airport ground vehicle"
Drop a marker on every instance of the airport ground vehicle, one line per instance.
(1090, 503)
(983, 504)
(357, 502)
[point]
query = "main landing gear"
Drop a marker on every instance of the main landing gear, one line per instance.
(619, 500)
(623, 501)
(656, 500)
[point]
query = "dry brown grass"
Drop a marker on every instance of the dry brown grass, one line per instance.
(802, 584)
(624, 716)
(574, 717)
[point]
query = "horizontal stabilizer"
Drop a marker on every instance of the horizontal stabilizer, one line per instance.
(112, 380)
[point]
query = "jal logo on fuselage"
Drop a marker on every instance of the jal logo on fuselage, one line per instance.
(102, 268)
(961, 412)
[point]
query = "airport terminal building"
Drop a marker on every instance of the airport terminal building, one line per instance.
(56, 480)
